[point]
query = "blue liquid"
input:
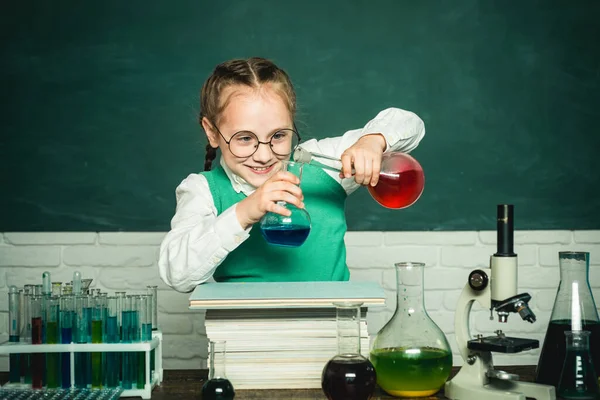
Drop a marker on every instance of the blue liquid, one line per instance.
(286, 235)
(81, 368)
(65, 338)
(15, 363)
(130, 334)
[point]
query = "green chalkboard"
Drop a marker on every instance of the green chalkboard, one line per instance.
(100, 102)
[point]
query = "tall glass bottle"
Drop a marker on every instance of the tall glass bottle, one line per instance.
(348, 375)
(217, 387)
(574, 269)
(410, 353)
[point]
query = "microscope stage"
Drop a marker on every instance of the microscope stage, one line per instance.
(503, 344)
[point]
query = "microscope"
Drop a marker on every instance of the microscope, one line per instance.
(494, 288)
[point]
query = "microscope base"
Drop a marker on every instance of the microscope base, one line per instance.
(472, 383)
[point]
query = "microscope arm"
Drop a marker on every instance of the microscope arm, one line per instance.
(463, 309)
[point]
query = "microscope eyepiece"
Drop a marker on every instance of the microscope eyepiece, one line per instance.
(505, 231)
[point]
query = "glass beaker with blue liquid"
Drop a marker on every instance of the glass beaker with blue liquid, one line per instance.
(287, 231)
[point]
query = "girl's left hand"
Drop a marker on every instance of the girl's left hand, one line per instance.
(365, 157)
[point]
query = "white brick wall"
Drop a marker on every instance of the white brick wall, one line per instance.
(127, 261)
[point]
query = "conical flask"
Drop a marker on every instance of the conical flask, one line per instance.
(217, 387)
(578, 379)
(287, 231)
(348, 375)
(410, 353)
(574, 269)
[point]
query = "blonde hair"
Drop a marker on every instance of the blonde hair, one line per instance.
(252, 72)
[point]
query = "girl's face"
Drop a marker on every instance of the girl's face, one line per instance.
(261, 111)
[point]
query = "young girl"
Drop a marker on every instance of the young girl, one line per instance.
(247, 111)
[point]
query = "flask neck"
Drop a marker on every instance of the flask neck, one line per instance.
(348, 329)
(409, 289)
(577, 340)
(217, 361)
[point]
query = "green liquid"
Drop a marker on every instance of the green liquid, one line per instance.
(52, 359)
(96, 356)
(411, 372)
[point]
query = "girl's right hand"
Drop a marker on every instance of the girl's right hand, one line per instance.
(283, 186)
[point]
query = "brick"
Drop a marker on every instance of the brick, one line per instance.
(543, 300)
(366, 275)
(430, 238)
(434, 300)
(549, 254)
(29, 256)
(4, 362)
(537, 278)
(592, 236)
(530, 237)
(185, 347)
(445, 278)
(23, 276)
(466, 257)
(130, 278)
(172, 302)
(364, 239)
(131, 238)
(4, 323)
(360, 257)
(451, 299)
(50, 238)
(4, 300)
(179, 324)
(110, 256)
(2, 277)
(198, 322)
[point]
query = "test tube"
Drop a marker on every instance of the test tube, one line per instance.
(112, 336)
(66, 337)
(37, 359)
(142, 314)
(97, 314)
(80, 336)
(53, 337)
(14, 331)
(56, 288)
(120, 301)
(26, 358)
(153, 291)
(88, 315)
(76, 282)
(67, 289)
(126, 337)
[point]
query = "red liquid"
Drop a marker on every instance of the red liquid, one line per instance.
(401, 181)
(37, 359)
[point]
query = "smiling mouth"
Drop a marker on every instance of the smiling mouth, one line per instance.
(261, 170)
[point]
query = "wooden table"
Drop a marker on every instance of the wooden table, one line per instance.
(186, 385)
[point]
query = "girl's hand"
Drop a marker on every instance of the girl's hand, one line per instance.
(365, 156)
(283, 186)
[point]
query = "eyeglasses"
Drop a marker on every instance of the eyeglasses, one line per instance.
(245, 143)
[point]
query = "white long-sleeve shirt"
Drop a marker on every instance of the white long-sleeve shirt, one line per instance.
(199, 239)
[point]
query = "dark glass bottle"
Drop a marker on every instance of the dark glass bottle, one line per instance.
(348, 375)
(574, 269)
(218, 387)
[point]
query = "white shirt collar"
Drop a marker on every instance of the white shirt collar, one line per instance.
(238, 183)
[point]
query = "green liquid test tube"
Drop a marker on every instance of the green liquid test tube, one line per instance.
(52, 337)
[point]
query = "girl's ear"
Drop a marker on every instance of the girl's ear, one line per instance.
(211, 133)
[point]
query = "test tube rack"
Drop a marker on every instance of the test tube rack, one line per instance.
(146, 347)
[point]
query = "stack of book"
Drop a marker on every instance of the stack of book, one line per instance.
(280, 335)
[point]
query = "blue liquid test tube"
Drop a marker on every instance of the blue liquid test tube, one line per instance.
(112, 366)
(153, 306)
(127, 335)
(66, 336)
(97, 329)
(80, 336)
(14, 332)
(141, 336)
(53, 337)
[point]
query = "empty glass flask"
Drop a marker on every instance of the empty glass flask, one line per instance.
(410, 353)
